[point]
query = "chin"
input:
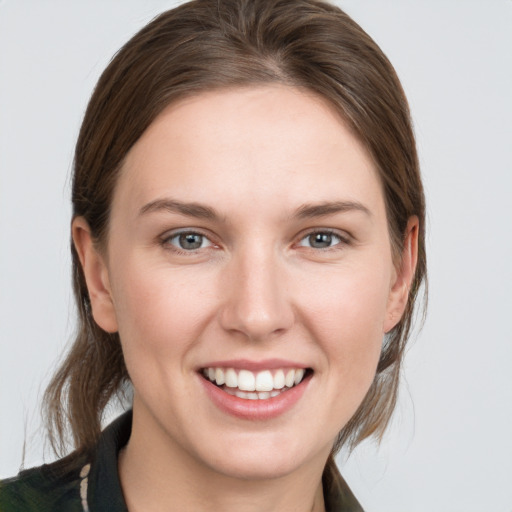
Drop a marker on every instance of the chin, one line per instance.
(262, 459)
(257, 467)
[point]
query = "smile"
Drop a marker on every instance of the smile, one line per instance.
(249, 385)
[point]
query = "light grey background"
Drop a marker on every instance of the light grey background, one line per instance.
(450, 445)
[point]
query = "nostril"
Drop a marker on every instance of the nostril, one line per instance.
(257, 306)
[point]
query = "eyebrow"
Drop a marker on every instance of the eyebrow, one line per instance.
(200, 211)
(189, 209)
(311, 211)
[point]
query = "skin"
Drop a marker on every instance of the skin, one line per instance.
(256, 289)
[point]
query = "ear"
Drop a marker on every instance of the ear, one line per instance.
(96, 275)
(399, 292)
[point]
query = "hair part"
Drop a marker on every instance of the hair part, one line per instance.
(204, 45)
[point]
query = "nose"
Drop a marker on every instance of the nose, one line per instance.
(256, 302)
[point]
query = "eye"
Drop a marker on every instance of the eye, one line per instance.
(188, 241)
(321, 240)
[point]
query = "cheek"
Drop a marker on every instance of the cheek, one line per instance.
(159, 312)
(160, 319)
(347, 319)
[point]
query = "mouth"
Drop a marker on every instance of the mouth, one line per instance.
(260, 385)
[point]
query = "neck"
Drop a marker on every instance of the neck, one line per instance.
(159, 475)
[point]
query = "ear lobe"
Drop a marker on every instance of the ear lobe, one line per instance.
(399, 292)
(96, 276)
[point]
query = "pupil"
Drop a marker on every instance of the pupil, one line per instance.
(320, 240)
(190, 241)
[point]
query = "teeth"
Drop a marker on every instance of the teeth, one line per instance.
(252, 386)
(246, 381)
(264, 381)
(262, 395)
(298, 375)
(219, 376)
(279, 380)
(289, 379)
(231, 378)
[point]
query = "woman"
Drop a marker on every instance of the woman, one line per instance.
(248, 245)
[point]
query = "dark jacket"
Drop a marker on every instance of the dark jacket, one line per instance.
(90, 483)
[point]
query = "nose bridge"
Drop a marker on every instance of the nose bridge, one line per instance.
(256, 302)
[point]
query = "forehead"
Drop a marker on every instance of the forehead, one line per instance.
(264, 145)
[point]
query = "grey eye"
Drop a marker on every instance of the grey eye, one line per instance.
(320, 240)
(189, 241)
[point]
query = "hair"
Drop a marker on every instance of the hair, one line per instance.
(204, 45)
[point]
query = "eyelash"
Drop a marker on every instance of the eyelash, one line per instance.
(342, 240)
(167, 244)
(166, 241)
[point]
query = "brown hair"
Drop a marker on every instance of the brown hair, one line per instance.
(208, 44)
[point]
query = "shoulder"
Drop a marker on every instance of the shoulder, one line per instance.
(77, 483)
(48, 488)
(337, 494)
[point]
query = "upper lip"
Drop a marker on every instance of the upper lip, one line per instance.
(254, 366)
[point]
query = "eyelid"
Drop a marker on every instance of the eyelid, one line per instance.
(343, 236)
(165, 238)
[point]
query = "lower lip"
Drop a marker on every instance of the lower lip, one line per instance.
(255, 409)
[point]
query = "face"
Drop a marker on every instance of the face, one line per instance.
(249, 273)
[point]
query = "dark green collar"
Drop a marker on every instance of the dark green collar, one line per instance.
(104, 492)
(80, 483)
